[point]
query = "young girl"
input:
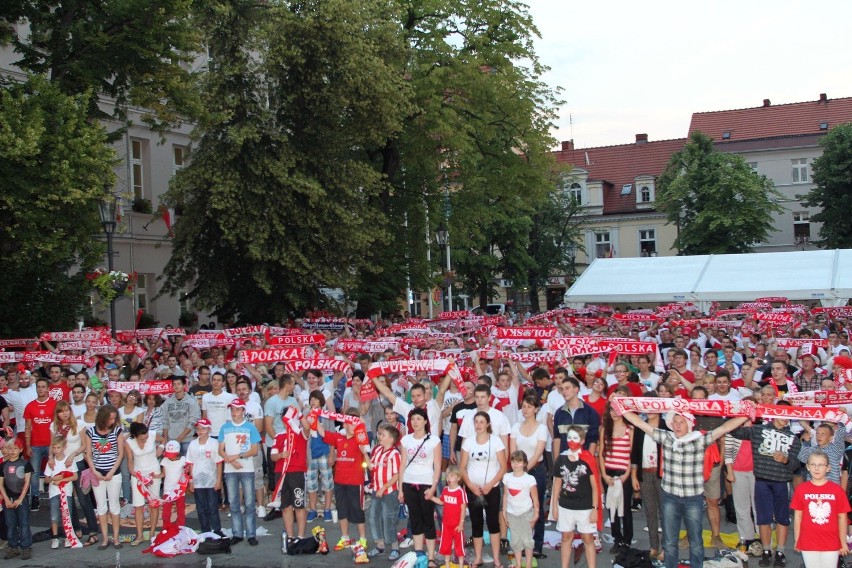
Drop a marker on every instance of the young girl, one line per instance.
(819, 516)
(576, 496)
(520, 508)
(384, 474)
(614, 458)
(454, 500)
(15, 477)
(54, 475)
(173, 466)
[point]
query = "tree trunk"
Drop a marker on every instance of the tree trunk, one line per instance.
(534, 306)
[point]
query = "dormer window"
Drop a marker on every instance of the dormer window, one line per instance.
(644, 190)
(575, 188)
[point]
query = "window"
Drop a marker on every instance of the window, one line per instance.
(142, 293)
(183, 301)
(802, 227)
(576, 191)
(136, 169)
(626, 189)
(645, 194)
(179, 153)
(647, 242)
(800, 170)
(603, 246)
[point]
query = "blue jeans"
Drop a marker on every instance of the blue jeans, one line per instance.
(126, 478)
(242, 524)
(18, 526)
(383, 518)
(39, 453)
(540, 474)
(207, 505)
(689, 510)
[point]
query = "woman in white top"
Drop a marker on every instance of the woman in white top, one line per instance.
(143, 457)
(64, 424)
(127, 414)
(530, 437)
(420, 470)
(483, 463)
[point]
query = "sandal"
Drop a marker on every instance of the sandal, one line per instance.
(432, 564)
(137, 541)
(93, 539)
(103, 546)
(117, 545)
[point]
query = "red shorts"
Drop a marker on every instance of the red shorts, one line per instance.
(452, 542)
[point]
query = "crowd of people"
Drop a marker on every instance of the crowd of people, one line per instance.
(532, 426)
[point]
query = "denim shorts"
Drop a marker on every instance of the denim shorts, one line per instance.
(55, 510)
(319, 472)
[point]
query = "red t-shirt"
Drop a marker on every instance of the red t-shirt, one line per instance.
(41, 414)
(453, 500)
(59, 391)
(635, 389)
(349, 467)
(298, 448)
(599, 405)
(821, 506)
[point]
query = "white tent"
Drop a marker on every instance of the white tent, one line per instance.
(824, 275)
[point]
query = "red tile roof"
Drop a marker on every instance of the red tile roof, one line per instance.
(794, 119)
(620, 165)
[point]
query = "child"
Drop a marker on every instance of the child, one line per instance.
(454, 500)
(384, 475)
(520, 507)
(348, 480)
(819, 515)
(173, 466)
(206, 468)
(319, 472)
(576, 491)
(54, 475)
(14, 488)
(290, 454)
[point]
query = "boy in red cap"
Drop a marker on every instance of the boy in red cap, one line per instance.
(205, 464)
(173, 466)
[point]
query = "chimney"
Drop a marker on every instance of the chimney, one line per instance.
(641, 138)
(823, 98)
(766, 102)
(568, 146)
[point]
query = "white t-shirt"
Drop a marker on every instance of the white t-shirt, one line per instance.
(58, 467)
(145, 458)
(204, 459)
(73, 442)
(433, 411)
(19, 400)
(216, 407)
(420, 468)
(499, 424)
(555, 401)
(510, 408)
(528, 444)
(172, 470)
(482, 464)
(517, 494)
(78, 410)
(732, 396)
(450, 400)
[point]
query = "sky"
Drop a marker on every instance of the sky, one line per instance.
(628, 67)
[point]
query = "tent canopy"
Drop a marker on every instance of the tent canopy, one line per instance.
(824, 275)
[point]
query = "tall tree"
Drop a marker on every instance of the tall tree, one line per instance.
(718, 203)
(54, 168)
(276, 199)
(832, 174)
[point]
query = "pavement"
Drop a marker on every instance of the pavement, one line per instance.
(268, 552)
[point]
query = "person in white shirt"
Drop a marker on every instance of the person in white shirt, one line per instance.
(418, 400)
(214, 405)
(498, 421)
(20, 397)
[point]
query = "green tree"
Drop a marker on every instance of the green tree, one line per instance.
(718, 203)
(54, 166)
(277, 196)
(832, 175)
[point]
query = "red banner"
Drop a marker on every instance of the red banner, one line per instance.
(300, 365)
(74, 336)
(527, 332)
(273, 355)
(295, 340)
(775, 319)
(147, 387)
(789, 343)
(25, 343)
(361, 346)
(634, 317)
(773, 299)
(248, 330)
(628, 347)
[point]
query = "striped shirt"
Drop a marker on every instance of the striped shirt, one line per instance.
(385, 464)
(617, 455)
(683, 467)
(104, 448)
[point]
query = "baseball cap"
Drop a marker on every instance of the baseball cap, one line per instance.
(690, 418)
(203, 423)
(172, 449)
(237, 402)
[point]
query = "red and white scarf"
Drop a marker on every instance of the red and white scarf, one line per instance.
(71, 540)
(143, 481)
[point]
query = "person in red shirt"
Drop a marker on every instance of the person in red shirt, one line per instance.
(819, 509)
(349, 478)
(290, 454)
(38, 415)
(622, 373)
(454, 500)
(58, 388)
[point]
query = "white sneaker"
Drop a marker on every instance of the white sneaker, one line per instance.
(261, 511)
(54, 543)
(273, 505)
(406, 543)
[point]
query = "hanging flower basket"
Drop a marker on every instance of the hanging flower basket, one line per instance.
(109, 285)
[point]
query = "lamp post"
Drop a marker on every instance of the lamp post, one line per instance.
(442, 236)
(106, 210)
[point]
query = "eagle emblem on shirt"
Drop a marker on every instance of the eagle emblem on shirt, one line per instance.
(820, 511)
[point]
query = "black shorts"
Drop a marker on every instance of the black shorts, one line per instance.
(293, 490)
(349, 500)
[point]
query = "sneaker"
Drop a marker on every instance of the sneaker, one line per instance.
(273, 505)
(683, 544)
(326, 516)
(35, 504)
(394, 555)
(780, 560)
(236, 540)
(27, 553)
(717, 543)
(54, 544)
(406, 542)
(11, 553)
(376, 552)
(252, 541)
(312, 516)
(343, 543)
(766, 558)
(261, 511)
(363, 543)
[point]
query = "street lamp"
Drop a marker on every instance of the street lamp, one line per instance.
(442, 236)
(572, 259)
(106, 210)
